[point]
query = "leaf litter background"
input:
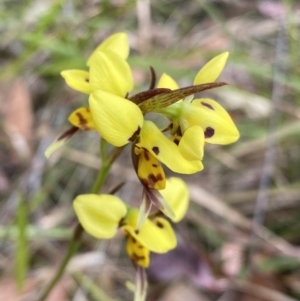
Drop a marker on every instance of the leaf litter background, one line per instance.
(240, 239)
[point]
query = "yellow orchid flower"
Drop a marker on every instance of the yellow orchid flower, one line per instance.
(80, 80)
(108, 72)
(102, 215)
(120, 121)
(202, 120)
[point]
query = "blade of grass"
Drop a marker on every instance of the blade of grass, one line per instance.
(22, 252)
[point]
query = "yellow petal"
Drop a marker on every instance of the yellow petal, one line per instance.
(216, 123)
(117, 42)
(157, 235)
(137, 252)
(111, 73)
(167, 81)
(166, 151)
(150, 172)
(211, 71)
(60, 141)
(176, 194)
(99, 215)
(82, 118)
(191, 145)
(77, 80)
(116, 119)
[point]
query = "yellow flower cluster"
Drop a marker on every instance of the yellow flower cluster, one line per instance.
(102, 215)
(120, 120)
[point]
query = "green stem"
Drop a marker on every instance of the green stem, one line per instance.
(78, 231)
(73, 246)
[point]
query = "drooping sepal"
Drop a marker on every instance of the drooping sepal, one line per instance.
(160, 203)
(141, 284)
(60, 141)
(117, 119)
(144, 210)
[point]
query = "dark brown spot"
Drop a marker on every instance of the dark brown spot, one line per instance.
(207, 105)
(121, 223)
(135, 134)
(140, 247)
(133, 239)
(152, 179)
(159, 224)
(155, 165)
(136, 258)
(209, 132)
(82, 121)
(176, 141)
(146, 155)
(137, 232)
(171, 125)
(155, 150)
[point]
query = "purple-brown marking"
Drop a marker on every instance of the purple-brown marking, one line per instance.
(159, 224)
(176, 141)
(152, 180)
(209, 132)
(135, 134)
(146, 155)
(207, 105)
(136, 258)
(82, 121)
(155, 150)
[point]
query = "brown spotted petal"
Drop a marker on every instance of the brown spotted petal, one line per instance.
(156, 235)
(137, 252)
(166, 151)
(82, 118)
(216, 123)
(150, 171)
